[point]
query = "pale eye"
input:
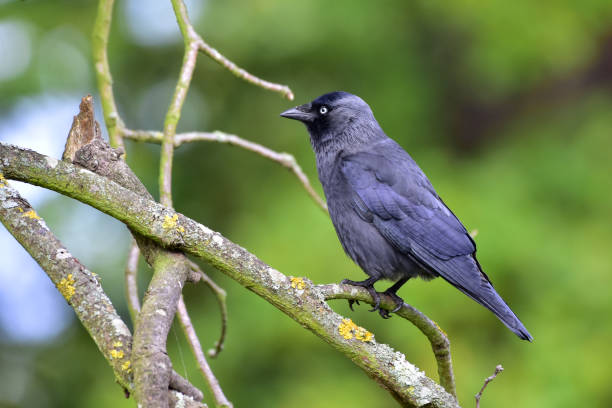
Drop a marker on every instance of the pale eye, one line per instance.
(323, 110)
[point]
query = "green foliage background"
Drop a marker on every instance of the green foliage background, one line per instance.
(505, 105)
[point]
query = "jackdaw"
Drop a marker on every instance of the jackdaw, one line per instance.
(387, 215)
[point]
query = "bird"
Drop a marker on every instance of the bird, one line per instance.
(386, 213)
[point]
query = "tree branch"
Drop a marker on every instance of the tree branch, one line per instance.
(284, 159)
(296, 297)
(80, 287)
(151, 364)
(438, 339)
(134, 306)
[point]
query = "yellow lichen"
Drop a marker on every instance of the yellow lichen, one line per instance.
(126, 366)
(348, 330)
(363, 335)
(117, 344)
(298, 283)
(20, 209)
(170, 222)
(116, 353)
(3, 182)
(31, 214)
(66, 287)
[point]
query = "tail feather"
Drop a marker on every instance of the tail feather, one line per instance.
(490, 299)
(465, 273)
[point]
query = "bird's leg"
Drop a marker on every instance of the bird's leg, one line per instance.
(391, 292)
(369, 285)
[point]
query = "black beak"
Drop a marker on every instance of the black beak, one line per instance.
(302, 113)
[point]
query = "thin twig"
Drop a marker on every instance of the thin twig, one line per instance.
(498, 370)
(190, 35)
(105, 80)
(196, 348)
(242, 74)
(438, 339)
(131, 281)
(220, 295)
(176, 104)
(285, 159)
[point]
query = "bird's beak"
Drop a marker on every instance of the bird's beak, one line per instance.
(302, 113)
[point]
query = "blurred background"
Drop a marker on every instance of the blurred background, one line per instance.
(505, 105)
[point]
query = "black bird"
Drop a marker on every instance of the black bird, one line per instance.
(387, 215)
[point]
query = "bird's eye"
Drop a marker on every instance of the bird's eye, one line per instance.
(323, 110)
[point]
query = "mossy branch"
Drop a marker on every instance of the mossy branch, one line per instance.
(297, 297)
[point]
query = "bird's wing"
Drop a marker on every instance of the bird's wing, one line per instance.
(395, 195)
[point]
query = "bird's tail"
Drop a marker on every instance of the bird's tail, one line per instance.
(465, 273)
(490, 299)
(487, 296)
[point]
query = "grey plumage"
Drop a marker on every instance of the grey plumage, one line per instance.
(387, 215)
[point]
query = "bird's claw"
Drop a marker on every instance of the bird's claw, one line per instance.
(368, 284)
(399, 302)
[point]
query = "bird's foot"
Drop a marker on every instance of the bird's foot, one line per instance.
(351, 303)
(368, 284)
(399, 302)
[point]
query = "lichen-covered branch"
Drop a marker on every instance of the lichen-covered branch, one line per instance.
(284, 159)
(437, 338)
(151, 365)
(296, 297)
(176, 381)
(81, 288)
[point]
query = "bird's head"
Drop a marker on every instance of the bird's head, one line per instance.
(333, 114)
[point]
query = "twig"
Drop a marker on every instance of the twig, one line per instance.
(192, 38)
(498, 369)
(131, 281)
(242, 74)
(196, 348)
(105, 80)
(437, 338)
(176, 104)
(220, 295)
(284, 159)
(297, 297)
